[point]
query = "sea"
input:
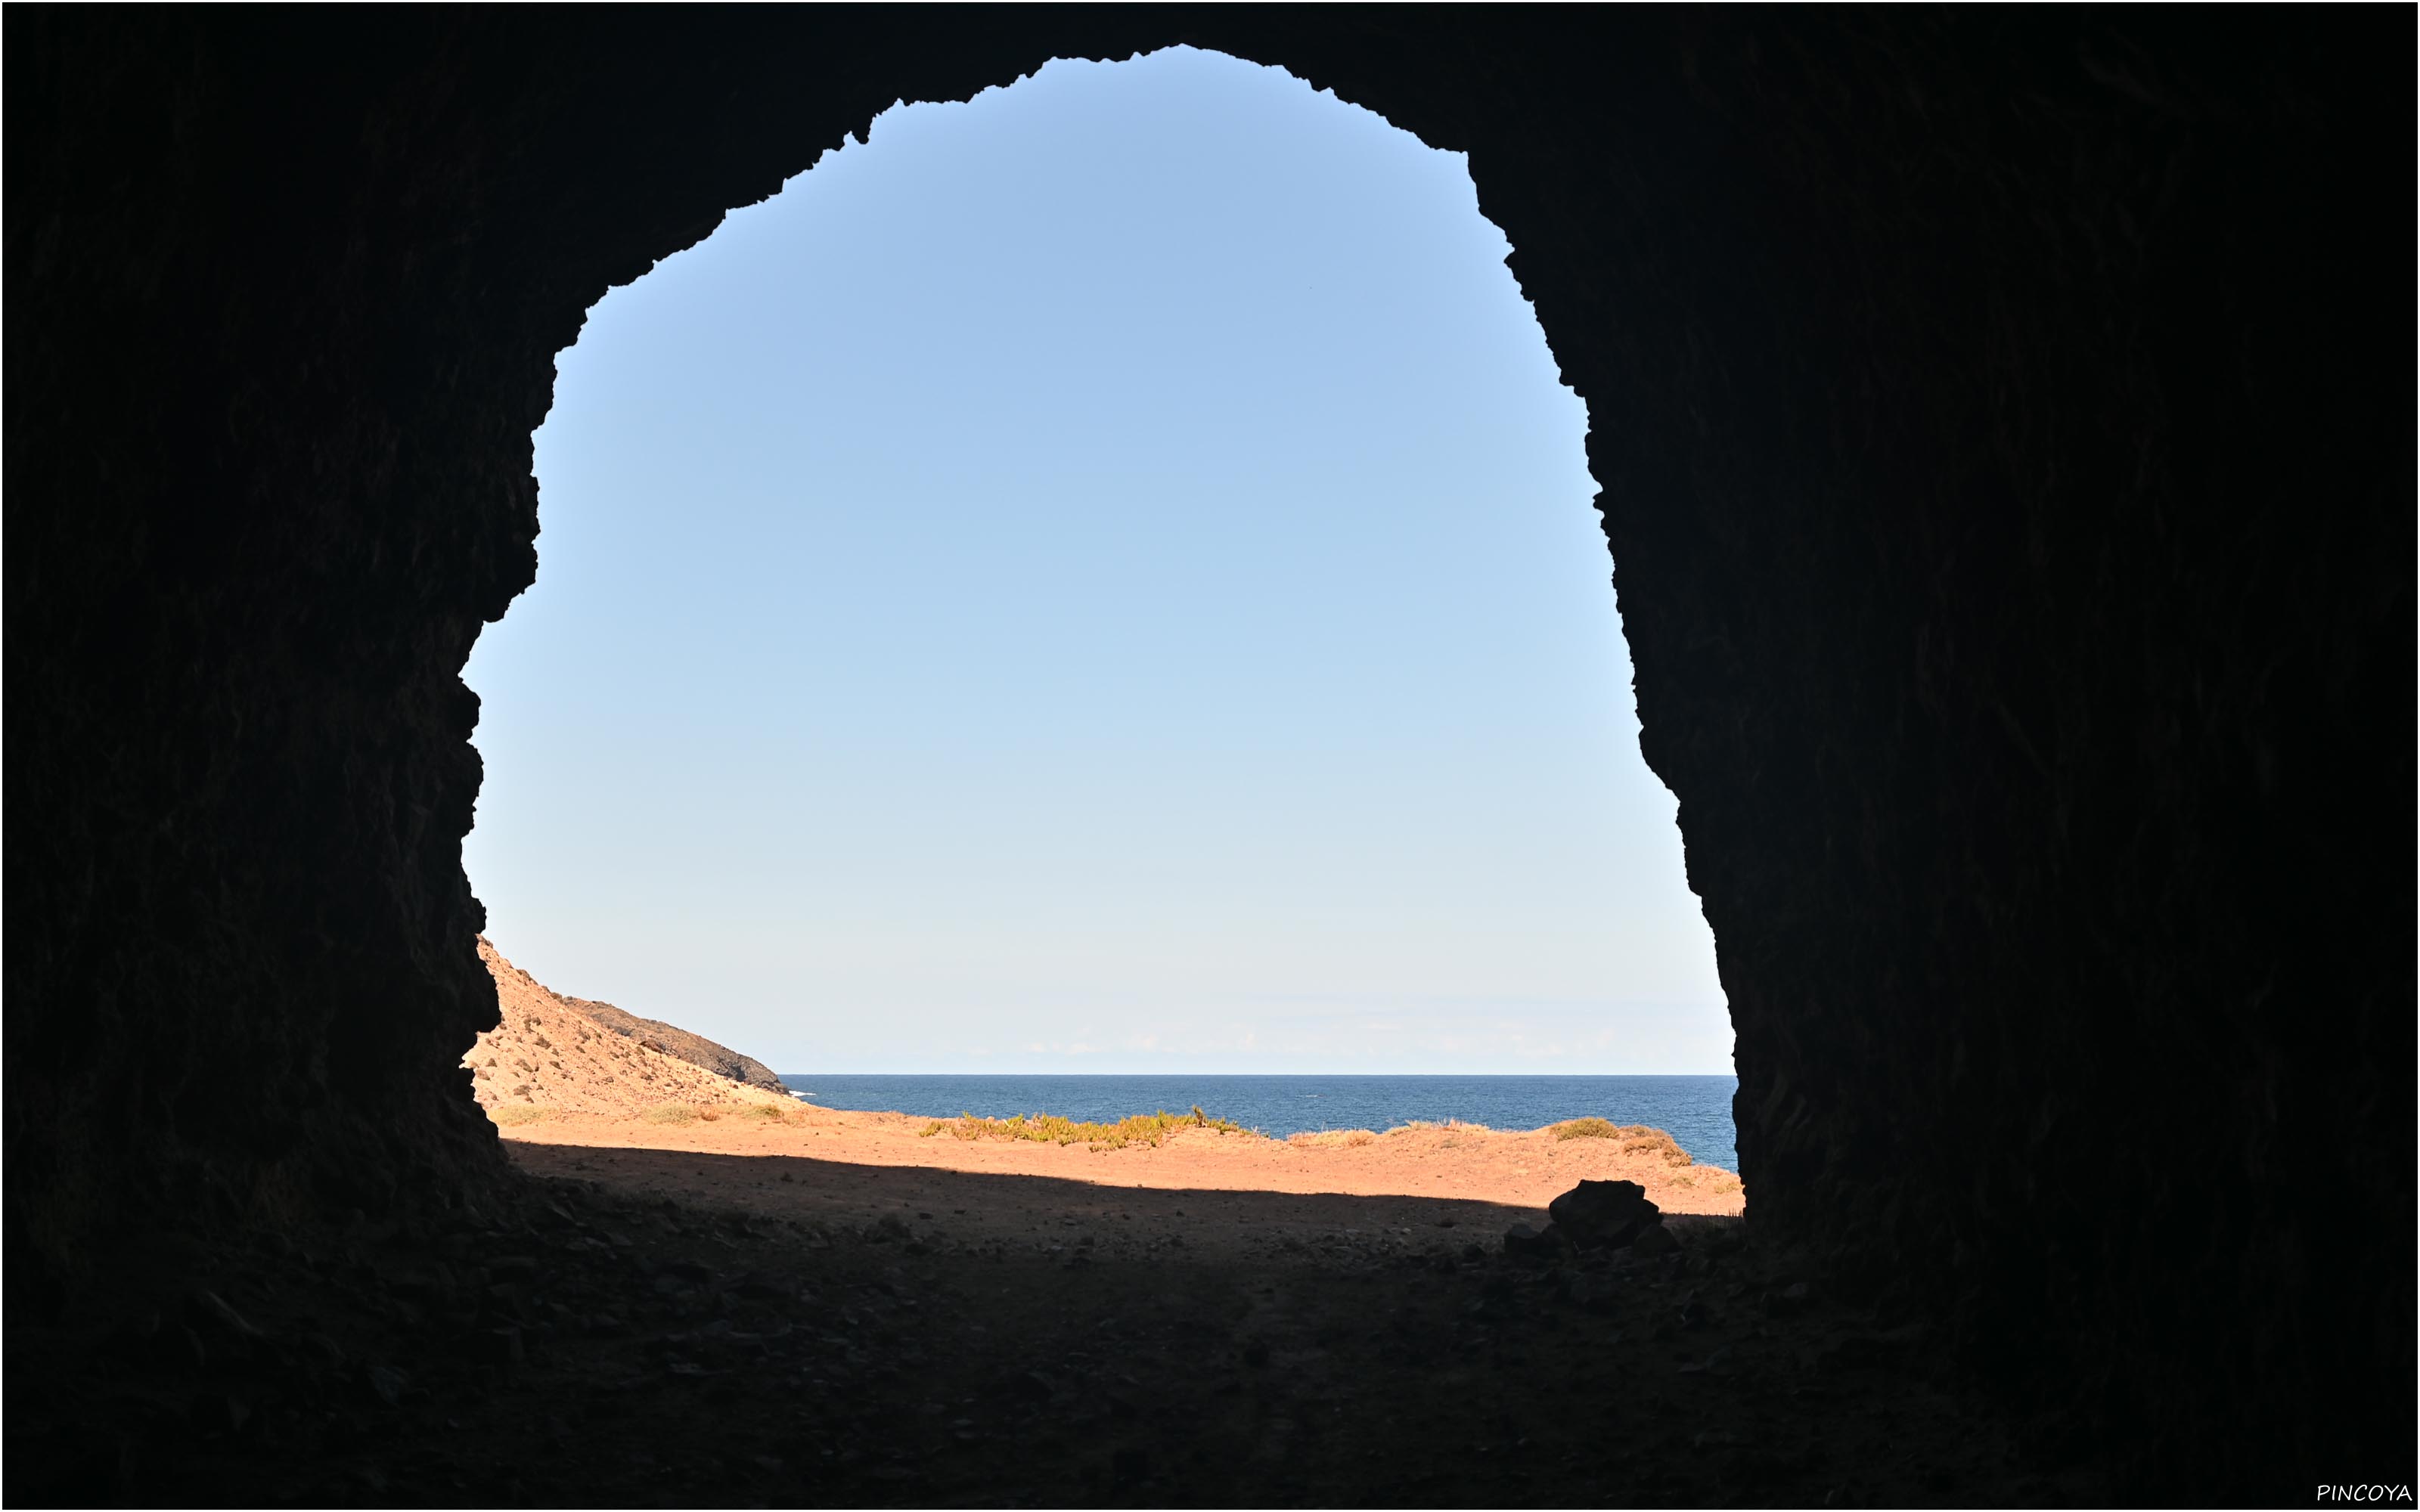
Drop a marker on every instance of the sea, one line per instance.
(1695, 1110)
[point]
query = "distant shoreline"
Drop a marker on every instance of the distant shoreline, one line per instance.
(1696, 1110)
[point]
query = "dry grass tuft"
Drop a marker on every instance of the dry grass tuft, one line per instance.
(669, 1112)
(519, 1112)
(1636, 1138)
(1050, 1128)
(769, 1112)
(1334, 1137)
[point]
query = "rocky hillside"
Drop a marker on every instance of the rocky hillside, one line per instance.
(673, 1040)
(553, 1052)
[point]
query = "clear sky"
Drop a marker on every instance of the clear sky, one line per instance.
(1101, 577)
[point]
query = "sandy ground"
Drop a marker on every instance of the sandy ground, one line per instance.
(1236, 1195)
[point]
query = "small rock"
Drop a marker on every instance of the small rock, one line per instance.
(1654, 1240)
(1524, 1243)
(505, 1346)
(210, 1316)
(386, 1384)
(215, 1413)
(1605, 1214)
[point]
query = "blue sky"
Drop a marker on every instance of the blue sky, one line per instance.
(1099, 577)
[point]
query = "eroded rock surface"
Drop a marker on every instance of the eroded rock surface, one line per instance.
(672, 1040)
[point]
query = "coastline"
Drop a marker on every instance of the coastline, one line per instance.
(1243, 1193)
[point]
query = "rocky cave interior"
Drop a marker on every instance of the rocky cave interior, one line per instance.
(2004, 420)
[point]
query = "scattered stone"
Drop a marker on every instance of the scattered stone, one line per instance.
(214, 1414)
(1524, 1243)
(210, 1316)
(1865, 1351)
(386, 1384)
(505, 1346)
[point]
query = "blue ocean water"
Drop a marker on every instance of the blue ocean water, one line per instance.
(1695, 1110)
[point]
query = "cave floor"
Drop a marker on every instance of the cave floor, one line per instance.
(571, 1341)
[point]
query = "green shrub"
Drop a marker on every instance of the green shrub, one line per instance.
(1636, 1138)
(1050, 1128)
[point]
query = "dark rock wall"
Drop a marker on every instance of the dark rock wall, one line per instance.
(2005, 424)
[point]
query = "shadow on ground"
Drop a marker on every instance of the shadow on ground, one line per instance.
(600, 1340)
(997, 1214)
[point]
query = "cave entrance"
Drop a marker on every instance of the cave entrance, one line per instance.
(1101, 577)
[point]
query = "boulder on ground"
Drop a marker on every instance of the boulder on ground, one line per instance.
(1522, 1242)
(1605, 1214)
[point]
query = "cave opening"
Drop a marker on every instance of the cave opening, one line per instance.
(1101, 577)
(2018, 583)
